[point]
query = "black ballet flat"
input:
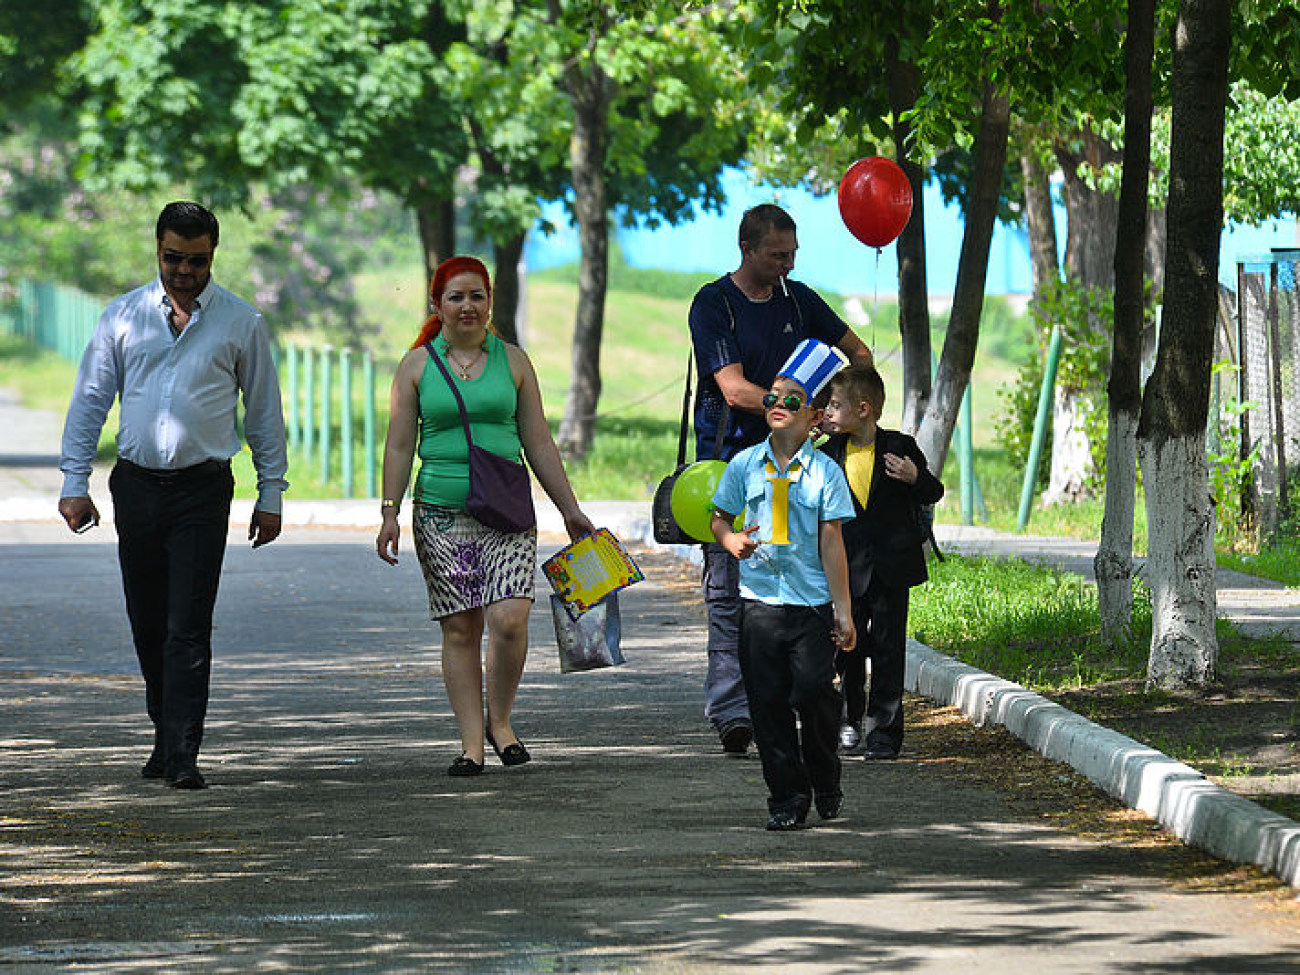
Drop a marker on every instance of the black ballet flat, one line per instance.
(513, 754)
(464, 765)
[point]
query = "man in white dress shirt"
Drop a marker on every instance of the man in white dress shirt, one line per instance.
(178, 352)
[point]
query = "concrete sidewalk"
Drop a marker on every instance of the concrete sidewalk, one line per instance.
(331, 839)
(1177, 796)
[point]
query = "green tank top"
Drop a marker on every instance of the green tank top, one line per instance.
(490, 401)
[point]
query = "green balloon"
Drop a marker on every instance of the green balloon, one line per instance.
(692, 498)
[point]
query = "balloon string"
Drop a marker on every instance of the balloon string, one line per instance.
(875, 302)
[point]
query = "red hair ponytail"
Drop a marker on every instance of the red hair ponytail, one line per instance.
(447, 270)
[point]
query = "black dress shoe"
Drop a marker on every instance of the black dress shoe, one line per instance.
(464, 765)
(513, 754)
(830, 806)
(782, 820)
(155, 768)
(187, 778)
(880, 753)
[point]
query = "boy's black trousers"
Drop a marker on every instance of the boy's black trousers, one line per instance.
(880, 618)
(787, 658)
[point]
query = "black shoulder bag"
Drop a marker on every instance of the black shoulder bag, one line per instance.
(500, 491)
(666, 529)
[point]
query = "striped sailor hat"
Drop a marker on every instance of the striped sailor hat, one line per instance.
(812, 365)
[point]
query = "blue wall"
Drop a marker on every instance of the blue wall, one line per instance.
(832, 259)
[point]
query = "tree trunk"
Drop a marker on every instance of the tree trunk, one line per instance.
(913, 290)
(1071, 448)
(506, 289)
(1113, 564)
(1091, 231)
(935, 433)
(1171, 431)
(1040, 217)
(590, 95)
(1092, 214)
(436, 220)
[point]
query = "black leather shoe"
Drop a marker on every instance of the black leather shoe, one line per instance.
(513, 754)
(464, 765)
(783, 820)
(187, 778)
(155, 768)
(880, 753)
(735, 736)
(830, 806)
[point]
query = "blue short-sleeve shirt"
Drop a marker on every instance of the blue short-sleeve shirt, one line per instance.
(815, 490)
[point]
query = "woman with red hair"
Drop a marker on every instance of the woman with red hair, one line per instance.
(477, 576)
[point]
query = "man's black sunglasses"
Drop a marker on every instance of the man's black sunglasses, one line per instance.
(197, 261)
(790, 401)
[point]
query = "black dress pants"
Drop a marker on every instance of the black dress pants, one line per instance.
(171, 529)
(880, 618)
(787, 658)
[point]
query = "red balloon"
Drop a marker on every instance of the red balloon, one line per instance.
(875, 200)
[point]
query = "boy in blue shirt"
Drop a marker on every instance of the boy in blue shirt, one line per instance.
(794, 589)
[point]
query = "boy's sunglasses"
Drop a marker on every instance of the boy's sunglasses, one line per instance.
(790, 401)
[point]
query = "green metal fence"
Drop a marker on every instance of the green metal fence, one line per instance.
(53, 317)
(323, 403)
(329, 415)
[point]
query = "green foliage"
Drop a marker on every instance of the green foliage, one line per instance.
(1229, 472)
(1261, 165)
(1029, 624)
(1278, 559)
(1083, 315)
(36, 37)
(1015, 424)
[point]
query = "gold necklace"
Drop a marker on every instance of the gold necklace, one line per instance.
(463, 368)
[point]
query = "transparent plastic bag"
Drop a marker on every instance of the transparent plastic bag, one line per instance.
(591, 641)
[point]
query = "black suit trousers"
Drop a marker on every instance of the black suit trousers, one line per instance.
(880, 618)
(787, 658)
(171, 529)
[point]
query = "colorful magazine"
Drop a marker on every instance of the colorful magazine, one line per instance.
(586, 572)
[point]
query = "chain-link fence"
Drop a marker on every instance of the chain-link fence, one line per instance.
(1267, 341)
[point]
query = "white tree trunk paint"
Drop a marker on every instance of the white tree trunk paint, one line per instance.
(1181, 566)
(1071, 450)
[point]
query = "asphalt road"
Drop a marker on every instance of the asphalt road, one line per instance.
(331, 839)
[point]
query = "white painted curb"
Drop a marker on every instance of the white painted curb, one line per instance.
(1177, 796)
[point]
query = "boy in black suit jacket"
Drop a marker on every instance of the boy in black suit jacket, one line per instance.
(888, 478)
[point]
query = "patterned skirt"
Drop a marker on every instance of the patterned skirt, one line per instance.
(467, 565)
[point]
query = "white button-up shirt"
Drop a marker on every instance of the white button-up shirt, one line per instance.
(178, 393)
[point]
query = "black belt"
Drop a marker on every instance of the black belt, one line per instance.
(180, 475)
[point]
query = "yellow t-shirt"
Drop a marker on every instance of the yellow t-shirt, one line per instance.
(858, 465)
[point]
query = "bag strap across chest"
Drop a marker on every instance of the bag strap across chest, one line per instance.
(460, 402)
